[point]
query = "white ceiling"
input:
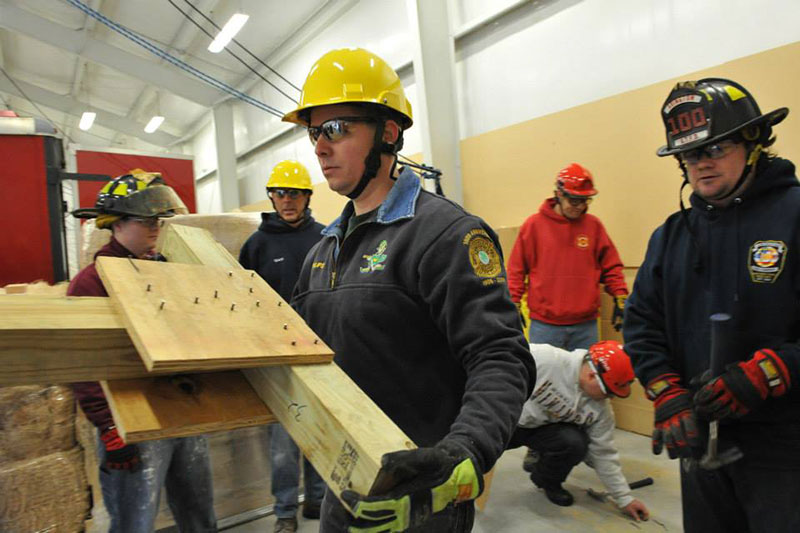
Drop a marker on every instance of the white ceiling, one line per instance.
(67, 62)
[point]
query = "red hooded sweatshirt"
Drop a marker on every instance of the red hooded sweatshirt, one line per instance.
(564, 261)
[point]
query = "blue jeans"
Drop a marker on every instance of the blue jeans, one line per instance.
(570, 337)
(334, 518)
(285, 464)
(179, 464)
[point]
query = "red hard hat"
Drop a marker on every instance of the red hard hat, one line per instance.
(575, 180)
(613, 367)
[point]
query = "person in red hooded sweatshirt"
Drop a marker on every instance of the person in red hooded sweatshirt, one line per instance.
(131, 475)
(560, 257)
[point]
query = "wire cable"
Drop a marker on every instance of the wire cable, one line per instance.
(240, 60)
(243, 47)
(217, 84)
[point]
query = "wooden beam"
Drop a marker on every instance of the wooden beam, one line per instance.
(336, 425)
(44, 339)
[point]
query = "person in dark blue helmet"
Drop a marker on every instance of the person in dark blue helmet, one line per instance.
(734, 251)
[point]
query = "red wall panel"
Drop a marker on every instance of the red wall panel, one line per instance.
(177, 173)
(25, 254)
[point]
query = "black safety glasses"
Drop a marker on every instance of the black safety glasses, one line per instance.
(712, 151)
(283, 193)
(577, 201)
(335, 129)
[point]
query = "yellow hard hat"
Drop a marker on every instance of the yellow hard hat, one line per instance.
(352, 75)
(290, 174)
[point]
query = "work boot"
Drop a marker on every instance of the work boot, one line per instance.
(311, 510)
(286, 525)
(554, 491)
(531, 458)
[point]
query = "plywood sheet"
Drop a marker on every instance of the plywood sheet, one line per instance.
(183, 405)
(194, 318)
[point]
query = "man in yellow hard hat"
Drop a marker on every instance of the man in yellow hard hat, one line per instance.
(410, 292)
(131, 475)
(276, 251)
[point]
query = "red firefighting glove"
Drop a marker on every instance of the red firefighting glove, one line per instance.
(743, 386)
(619, 311)
(119, 456)
(675, 425)
(428, 480)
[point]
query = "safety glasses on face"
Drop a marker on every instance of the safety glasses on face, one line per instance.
(148, 222)
(712, 151)
(283, 193)
(577, 201)
(334, 129)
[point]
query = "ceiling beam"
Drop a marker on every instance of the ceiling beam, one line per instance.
(181, 40)
(77, 42)
(75, 108)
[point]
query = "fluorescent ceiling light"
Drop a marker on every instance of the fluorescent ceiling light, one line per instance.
(228, 32)
(154, 123)
(87, 119)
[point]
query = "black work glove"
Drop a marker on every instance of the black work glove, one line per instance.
(618, 314)
(119, 456)
(675, 424)
(743, 387)
(427, 481)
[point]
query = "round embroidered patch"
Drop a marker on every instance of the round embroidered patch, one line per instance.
(483, 257)
(582, 241)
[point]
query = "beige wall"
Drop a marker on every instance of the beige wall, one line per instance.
(508, 172)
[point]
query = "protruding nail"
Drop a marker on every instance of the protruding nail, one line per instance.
(294, 343)
(316, 341)
(163, 302)
(286, 326)
(252, 274)
(230, 273)
(196, 299)
(233, 305)
(280, 304)
(149, 287)
(258, 303)
(251, 290)
(216, 294)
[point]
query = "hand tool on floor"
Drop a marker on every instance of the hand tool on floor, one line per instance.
(601, 496)
(720, 322)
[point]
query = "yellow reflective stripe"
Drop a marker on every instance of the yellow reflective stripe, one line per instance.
(462, 485)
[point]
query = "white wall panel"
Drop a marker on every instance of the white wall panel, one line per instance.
(597, 48)
(209, 200)
(204, 148)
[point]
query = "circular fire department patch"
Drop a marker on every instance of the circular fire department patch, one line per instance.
(483, 256)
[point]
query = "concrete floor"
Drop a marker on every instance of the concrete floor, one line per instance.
(516, 505)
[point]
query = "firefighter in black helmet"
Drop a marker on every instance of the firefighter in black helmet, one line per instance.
(132, 475)
(734, 252)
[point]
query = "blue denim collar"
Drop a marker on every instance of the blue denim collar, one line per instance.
(399, 204)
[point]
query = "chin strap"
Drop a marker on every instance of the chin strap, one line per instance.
(373, 161)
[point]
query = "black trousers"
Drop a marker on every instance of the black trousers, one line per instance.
(560, 446)
(740, 497)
